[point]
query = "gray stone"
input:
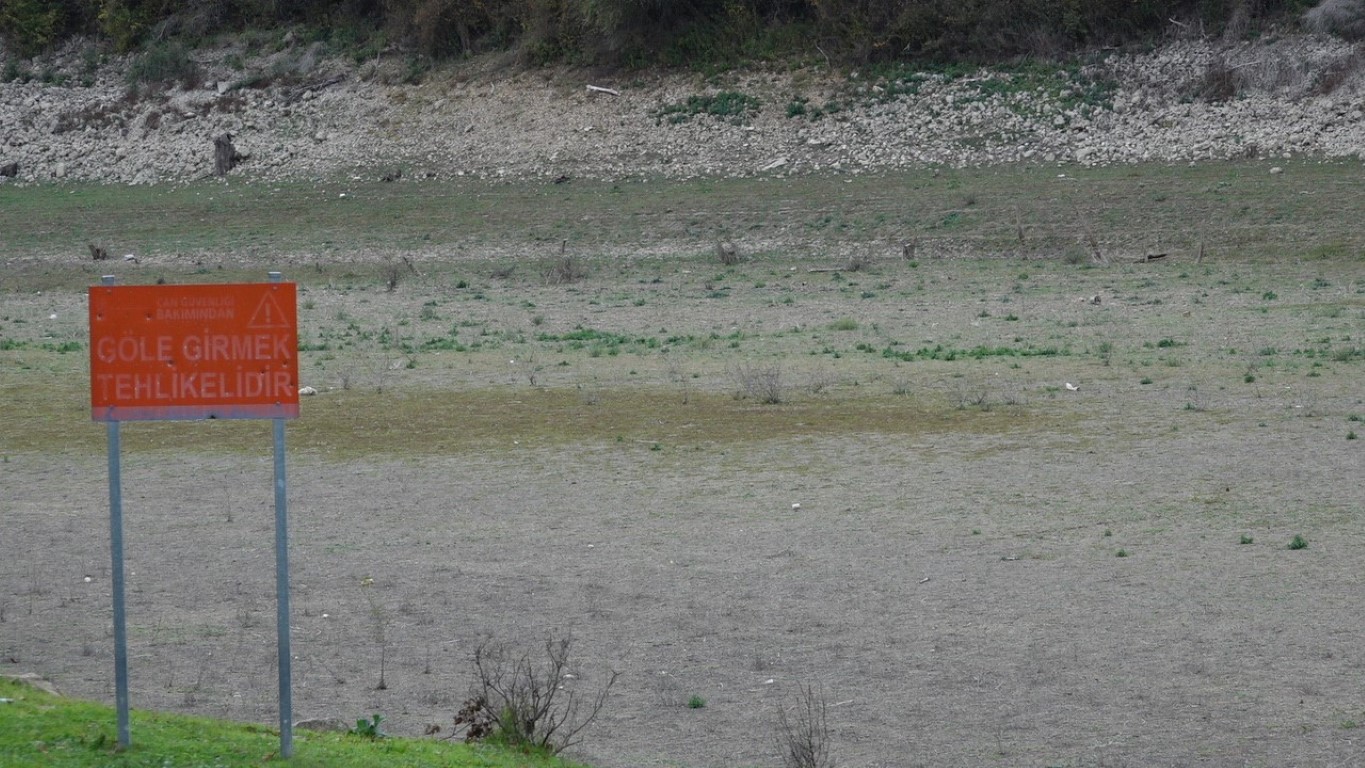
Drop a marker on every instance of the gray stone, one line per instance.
(33, 681)
(323, 725)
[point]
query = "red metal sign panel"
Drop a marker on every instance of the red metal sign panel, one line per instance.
(194, 352)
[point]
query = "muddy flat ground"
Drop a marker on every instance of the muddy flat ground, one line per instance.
(997, 509)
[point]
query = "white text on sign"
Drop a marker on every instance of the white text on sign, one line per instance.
(208, 347)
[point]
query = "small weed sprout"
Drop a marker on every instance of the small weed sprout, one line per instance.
(369, 728)
(1246, 540)
(1298, 542)
(529, 703)
(803, 735)
(696, 702)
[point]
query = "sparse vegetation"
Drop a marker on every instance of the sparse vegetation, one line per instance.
(563, 270)
(528, 701)
(164, 64)
(939, 436)
(762, 383)
(704, 34)
(730, 106)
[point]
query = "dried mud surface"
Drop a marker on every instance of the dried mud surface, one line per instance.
(952, 587)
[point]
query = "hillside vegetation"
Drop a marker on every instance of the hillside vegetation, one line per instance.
(668, 32)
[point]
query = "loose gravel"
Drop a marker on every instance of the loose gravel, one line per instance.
(1188, 101)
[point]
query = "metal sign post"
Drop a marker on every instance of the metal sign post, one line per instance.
(282, 586)
(116, 574)
(195, 352)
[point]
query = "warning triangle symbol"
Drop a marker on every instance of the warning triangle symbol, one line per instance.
(268, 314)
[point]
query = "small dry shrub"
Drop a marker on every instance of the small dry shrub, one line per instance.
(1219, 82)
(476, 719)
(803, 735)
(1344, 18)
(529, 701)
(563, 270)
(758, 382)
(1338, 74)
(821, 381)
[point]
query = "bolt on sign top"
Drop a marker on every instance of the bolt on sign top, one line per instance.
(194, 352)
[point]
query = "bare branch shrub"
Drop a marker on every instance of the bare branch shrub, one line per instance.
(803, 735)
(1344, 18)
(1340, 72)
(758, 382)
(528, 702)
(678, 376)
(1219, 82)
(563, 271)
(820, 381)
(964, 395)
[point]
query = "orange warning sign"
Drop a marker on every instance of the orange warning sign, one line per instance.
(194, 352)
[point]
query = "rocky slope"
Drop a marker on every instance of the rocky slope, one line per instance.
(1191, 100)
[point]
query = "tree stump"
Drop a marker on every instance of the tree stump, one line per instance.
(225, 156)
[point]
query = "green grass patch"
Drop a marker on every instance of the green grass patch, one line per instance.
(38, 730)
(727, 105)
(1233, 205)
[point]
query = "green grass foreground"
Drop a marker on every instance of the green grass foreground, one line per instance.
(38, 729)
